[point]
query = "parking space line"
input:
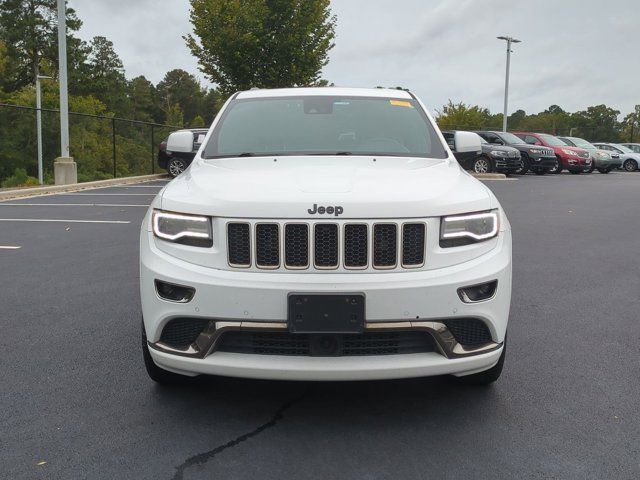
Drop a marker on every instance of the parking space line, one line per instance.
(9, 247)
(71, 205)
(111, 194)
(61, 220)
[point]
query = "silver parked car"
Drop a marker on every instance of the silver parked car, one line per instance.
(630, 159)
(632, 146)
(603, 160)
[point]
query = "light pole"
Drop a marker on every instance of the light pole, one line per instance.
(65, 169)
(39, 125)
(509, 41)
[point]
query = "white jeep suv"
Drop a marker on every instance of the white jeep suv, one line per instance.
(325, 234)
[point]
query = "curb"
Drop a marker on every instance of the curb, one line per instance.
(489, 176)
(76, 187)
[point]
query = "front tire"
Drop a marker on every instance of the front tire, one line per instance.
(482, 165)
(156, 373)
(488, 376)
(558, 168)
(630, 165)
(524, 166)
(176, 166)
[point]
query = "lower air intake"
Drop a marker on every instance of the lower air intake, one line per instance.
(469, 331)
(284, 343)
(182, 332)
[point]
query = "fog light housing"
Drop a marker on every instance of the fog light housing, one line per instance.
(478, 293)
(174, 293)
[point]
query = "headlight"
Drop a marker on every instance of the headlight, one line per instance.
(181, 228)
(458, 230)
(499, 153)
(569, 152)
(537, 151)
(604, 155)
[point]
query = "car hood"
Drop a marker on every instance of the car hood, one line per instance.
(525, 147)
(289, 187)
(487, 147)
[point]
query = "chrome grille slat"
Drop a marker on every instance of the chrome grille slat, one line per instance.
(326, 245)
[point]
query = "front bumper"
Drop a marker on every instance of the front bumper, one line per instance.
(544, 162)
(609, 163)
(506, 164)
(420, 300)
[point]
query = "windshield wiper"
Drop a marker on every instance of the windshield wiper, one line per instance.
(245, 154)
(343, 153)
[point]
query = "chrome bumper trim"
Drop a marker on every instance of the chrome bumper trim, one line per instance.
(206, 342)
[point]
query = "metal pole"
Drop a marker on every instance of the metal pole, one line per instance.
(509, 41)
(64, 101)
(39, 129)
(153, 160)
(39, 126)
(113, 140)
(506, 87)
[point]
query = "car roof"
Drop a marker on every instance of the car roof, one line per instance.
(325, 91)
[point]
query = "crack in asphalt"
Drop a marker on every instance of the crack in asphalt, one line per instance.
(202, 458)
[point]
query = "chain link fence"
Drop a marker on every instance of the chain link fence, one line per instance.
(102, 146)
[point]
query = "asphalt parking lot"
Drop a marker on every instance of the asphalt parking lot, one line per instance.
(75, 395)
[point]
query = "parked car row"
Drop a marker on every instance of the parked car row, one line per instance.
(521, 152)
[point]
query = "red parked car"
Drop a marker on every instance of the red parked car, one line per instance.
(574, 159)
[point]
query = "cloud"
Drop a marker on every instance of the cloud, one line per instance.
(575, 53)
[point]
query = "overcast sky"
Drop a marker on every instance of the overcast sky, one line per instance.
(575, 53)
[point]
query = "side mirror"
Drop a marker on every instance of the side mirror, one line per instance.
(180, 141)
(466, 142)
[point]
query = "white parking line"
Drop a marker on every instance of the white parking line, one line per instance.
(9, 247)
(71, 205)
(131, 186)
(60, 221)
(112, 194)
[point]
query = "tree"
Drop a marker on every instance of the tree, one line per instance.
(598, 122)
(632, 125)
(28, 29)
(104, 76)
(142, 95)
(261, 43)
(461, 115)
(181, 88)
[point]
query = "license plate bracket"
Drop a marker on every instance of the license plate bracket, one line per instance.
(326, 312)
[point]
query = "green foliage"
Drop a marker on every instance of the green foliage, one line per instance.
(261, 43)
(460, 115)
(181, 88)
(28, 29)
(596, 123)
(19, 179)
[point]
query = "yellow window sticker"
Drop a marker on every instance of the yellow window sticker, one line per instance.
(400, 103)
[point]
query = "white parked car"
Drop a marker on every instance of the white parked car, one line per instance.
(325, 234)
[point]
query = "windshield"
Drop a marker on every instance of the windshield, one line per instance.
(582, 143)
(510, 138)
(553, 141)
(623, 148)
(324, 125)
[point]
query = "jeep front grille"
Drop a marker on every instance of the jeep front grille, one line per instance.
(326, 245)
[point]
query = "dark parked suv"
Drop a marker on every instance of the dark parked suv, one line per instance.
(492, 158)
(539, 160)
